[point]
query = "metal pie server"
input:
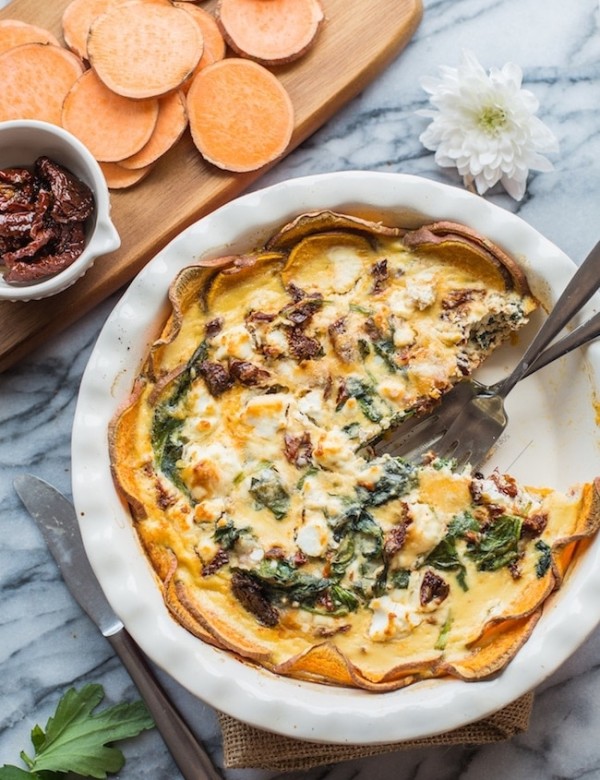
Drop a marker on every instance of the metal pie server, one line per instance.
(55, 516)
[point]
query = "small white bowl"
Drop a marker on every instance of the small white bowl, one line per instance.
(21, 143)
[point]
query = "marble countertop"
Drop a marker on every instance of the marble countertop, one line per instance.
(47, 644)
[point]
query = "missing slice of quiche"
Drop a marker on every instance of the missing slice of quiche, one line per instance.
(239, 453)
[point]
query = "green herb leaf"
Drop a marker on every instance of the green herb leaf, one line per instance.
(461, 524)
(268, 491)
(400, 578)
(226, 535)
(75, 740)
(545, 560)
(398, 477)
(37, 736)
(444, 556)
(443, 635)
(498, 545)
(387, 352)
(10, 772)
(371, 404)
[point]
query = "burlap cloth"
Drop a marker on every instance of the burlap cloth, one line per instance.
(248, 747)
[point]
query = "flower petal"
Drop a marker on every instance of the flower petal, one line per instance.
(484, 125)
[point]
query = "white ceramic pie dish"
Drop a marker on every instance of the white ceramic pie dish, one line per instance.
(551, 440)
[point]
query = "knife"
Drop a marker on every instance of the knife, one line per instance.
(56, 518)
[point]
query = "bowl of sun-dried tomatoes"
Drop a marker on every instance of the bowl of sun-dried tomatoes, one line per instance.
(54, 210)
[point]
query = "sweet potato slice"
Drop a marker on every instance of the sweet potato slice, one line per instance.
(34, 79)
(77, 19)
(120, 178)
(142, 50)
(452, 239)
(111, 126)
(14, 32)
(170, 125)
(323, 222)
(240, 115)
(214, 43)
(235, 287)
(276, 31)
(336, 259)
(497, 647)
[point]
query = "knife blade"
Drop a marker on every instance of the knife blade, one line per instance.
(56, 518)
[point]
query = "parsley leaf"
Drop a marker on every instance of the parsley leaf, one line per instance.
(75, 739)
(9, 772)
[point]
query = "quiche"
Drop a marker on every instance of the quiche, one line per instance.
(243, 455)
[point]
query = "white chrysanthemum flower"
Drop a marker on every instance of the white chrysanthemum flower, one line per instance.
(485, 126)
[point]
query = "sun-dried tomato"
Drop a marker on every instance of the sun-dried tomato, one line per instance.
(42, 220)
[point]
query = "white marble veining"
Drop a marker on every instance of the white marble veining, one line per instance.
(48, 645)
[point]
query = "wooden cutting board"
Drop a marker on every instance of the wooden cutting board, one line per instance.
(357, 41)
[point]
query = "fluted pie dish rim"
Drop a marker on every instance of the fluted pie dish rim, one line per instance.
(290, 707)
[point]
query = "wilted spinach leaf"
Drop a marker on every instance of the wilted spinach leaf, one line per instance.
(398, 477)
(545, 559)
(167, 445)
(371, 404)
(444, 556)
(283, 582)
(387, 351)
(498, 544)
(461, 523)
(167, 425)
(268, 491)
(400, 579)
(226, 535)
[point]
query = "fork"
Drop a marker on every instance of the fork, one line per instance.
(472, 417)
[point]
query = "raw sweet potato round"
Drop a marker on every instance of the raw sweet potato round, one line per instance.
(241, 117)
(142, 50)
(276, 31)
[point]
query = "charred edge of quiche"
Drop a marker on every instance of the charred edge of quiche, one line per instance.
(493, 654)
(438, 232)
(568, 547)
(327, 665)
(116, 442)
(324, 221)
(225, 636)
(187, 284)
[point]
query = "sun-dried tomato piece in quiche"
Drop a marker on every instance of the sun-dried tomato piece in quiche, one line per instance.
(240, 455)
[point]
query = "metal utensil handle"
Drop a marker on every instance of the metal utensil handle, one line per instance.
(581, 335)
(191, 758)
(577, 293)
